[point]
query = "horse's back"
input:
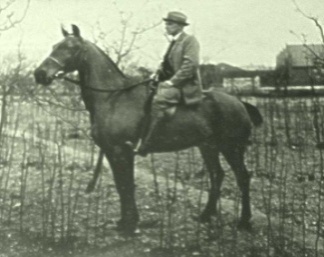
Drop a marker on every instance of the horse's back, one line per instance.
(230, 107)
(241, 108)
(231, 117)
(220, 119)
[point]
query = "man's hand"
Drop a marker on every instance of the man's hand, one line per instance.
(165, 84)
(154, 77)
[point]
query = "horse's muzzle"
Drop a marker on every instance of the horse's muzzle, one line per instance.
(42, 78)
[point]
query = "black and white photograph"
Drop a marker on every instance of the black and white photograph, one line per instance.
(152, 128)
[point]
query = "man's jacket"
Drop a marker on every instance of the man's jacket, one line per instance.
(184, 61)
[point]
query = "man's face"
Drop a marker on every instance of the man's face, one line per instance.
(173, 28)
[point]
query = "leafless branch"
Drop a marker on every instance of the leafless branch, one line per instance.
(126, 43)
(6, 5)
(312, 18)
(142, 30)
(11, 76)
(303, 38)
(318, 59)
(9, 21)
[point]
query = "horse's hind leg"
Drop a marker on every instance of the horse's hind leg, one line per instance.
(210, 155)
(235, 157)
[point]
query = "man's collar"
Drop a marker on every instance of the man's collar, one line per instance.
(176, 36)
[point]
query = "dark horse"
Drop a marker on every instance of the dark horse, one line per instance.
(117, 108)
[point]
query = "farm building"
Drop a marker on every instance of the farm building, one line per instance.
(301, 65)
(213, 75)
(225, 75)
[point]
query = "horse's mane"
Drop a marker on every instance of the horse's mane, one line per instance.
(108, 59)
(129, 84)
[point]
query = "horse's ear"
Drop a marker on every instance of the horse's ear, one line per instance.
(64, 32)
(76, 31)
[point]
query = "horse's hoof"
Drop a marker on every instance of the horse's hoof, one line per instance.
(127, 232)
(126, 229)
(244, 226)
(202, 218)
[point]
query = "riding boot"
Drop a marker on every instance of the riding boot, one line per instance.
(155, 118)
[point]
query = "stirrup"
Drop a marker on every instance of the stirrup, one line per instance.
(139, 149)
(130, 144)
(138, 145)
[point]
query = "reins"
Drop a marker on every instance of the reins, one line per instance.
(107, 90)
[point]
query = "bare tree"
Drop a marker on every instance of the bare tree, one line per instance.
(317, 72)
(13, 70)
(316, 22)
(122, 47)
(14, 76)
(9, 17)
(314, 19)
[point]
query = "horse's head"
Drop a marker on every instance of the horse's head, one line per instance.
(65, 57)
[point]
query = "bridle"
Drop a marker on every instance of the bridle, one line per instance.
(56, 61)
(59, 63)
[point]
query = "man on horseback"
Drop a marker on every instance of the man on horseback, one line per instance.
(228, 119)
(178, 79)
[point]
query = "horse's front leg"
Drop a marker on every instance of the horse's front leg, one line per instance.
(121, 161)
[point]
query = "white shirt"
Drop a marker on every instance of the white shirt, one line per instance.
(173, 38)
(176, 36)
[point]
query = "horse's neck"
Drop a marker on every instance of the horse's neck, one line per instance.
(119, 113)
(98, 71)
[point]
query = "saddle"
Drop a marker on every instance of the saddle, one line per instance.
(172, 110)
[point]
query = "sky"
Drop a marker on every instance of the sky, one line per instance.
(237, 32)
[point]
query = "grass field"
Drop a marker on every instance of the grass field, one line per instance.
(47, 159)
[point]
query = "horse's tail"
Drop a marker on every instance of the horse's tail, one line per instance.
(254, 114)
